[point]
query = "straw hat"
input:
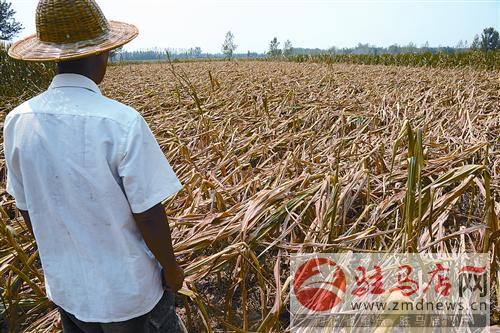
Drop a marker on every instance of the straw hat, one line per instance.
(71, 29)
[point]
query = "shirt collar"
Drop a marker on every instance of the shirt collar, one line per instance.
(74, 80)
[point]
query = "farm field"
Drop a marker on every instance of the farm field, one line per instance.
(279, 158)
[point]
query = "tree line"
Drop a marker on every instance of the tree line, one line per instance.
(487, 41)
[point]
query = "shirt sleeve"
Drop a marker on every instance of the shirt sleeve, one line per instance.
(14, 179)
(146, 175)
(16, 189)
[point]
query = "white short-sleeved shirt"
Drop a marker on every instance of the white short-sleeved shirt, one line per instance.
(80, 164)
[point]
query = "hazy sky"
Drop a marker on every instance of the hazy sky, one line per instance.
(307, 23)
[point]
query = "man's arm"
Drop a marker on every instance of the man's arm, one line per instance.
(27, 220)
(153, 225)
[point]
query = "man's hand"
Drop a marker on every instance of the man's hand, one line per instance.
(174, 278)
(153, 225)
(27, 220)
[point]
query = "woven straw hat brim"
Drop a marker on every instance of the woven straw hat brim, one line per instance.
(33, 49)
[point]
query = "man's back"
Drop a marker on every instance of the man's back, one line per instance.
(81, 163)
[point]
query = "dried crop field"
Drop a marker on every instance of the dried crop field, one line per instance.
(279, 157)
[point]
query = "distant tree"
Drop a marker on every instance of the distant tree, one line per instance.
(460, 45)
(229, 46)
(274, 50)
(9, 27)
(287, 48)
(361, 48)
(394, 49)
(490, 40)
(194, 52)
(425, 47)
(113, 54)
(333, 50)
(476, 43)
(410, 48)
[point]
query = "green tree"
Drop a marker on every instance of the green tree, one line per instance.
(476, 44)
(490, 40)
(9, 27)
(229, 46)
(287, 48)
(274, 48)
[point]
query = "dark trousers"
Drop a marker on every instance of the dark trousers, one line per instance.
(161, 319)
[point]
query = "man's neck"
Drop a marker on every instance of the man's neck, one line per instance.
(93, 67)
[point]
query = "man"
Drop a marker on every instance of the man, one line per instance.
(89, 177)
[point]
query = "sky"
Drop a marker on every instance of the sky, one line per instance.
(306, 23)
